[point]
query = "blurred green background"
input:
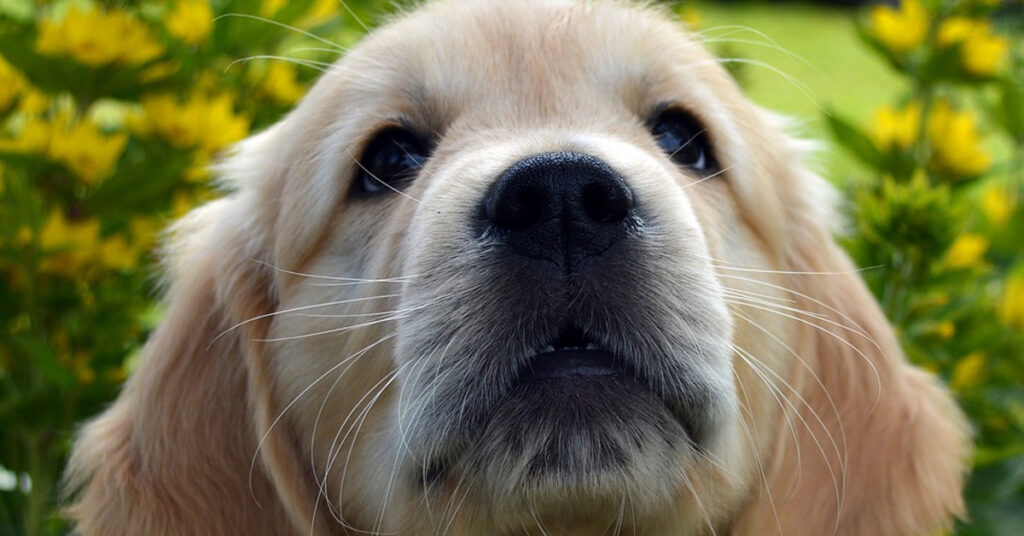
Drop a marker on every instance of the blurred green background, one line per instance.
(105, 135)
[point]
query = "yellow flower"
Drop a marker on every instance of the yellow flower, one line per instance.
(691, 17)
(144, 232)
(34, 137)
(322, 9)
(269, 8)
(969, 371)
(985, 54)
(982, 53)
(83, 40)
(281, 84)
(80, 146)
(945, 330)
(897, 129)
(70, 245)
(177, 123)
(50, 40)
(900, 30)
(955, 29)
(11, 84)
(997, 204)
(182, 203)
(33, 102)
(76, 249)
(208, 123)
(967, 250)
(89, 154)
(224, 126)
(1011, 307)
(159, 71)
(190, 21)
(96, 38)
(956, 148)
(116, 254)
(137, 43)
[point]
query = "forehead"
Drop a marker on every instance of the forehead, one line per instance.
(513, 61)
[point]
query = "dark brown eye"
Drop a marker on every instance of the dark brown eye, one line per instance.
(683, 139)
(390, 161)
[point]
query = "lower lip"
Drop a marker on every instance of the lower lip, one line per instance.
(562, 364)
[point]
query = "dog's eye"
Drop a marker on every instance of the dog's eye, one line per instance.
(393, 157)
(683, 139)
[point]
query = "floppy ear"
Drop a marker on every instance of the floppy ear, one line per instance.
(880, 447)
(177, 451)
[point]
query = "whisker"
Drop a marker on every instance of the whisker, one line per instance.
(343, 329)
(397, 279)
(283, 25)
(300, 308)
(753, 362)
(757, 453)
(318, 66)
(294, 400)
(771, 43)
(864, 333)
(709, 177)
(845, 454)
(354, 16)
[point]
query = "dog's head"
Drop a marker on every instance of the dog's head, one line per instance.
(515, 267)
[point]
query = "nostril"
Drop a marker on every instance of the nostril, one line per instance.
(561, 207)
(606, 201)
(519, 207)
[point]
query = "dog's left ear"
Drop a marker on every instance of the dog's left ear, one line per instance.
(881, 446)
(190, 445)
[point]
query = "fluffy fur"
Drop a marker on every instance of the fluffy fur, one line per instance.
(323, 357)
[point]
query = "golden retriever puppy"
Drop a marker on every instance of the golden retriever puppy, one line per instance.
(520, 268)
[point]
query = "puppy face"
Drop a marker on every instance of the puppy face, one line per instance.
(520, 268)
(523, 315)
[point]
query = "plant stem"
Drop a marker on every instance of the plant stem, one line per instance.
(39, 491)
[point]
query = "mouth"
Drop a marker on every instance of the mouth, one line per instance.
(571, 355)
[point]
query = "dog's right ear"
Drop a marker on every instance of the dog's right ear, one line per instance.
(188, 446)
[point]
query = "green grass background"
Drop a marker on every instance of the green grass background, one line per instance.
(819, 64)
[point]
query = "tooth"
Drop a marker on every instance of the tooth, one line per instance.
(547, 349)
(592, 346)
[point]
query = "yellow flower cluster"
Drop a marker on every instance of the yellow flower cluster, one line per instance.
(96, 38)
(1011, 307)
(897, 128)
(318, 12)
(955, 144)
(900, 29)
(190, 21)
(968, 372)
(11, 84)
(997, 204)
(77, 144)
(206, 122)
(967, 251)
(982, 53)
(75, 248)
(281, 83)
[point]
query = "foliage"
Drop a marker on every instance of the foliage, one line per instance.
(106, 135)
(109, 113)
(938, 220)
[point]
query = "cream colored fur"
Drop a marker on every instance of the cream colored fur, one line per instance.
(255, 411)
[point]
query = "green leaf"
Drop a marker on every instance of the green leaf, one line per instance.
(855, 141)
(1011, 103)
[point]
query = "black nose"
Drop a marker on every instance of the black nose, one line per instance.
(563, 207)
